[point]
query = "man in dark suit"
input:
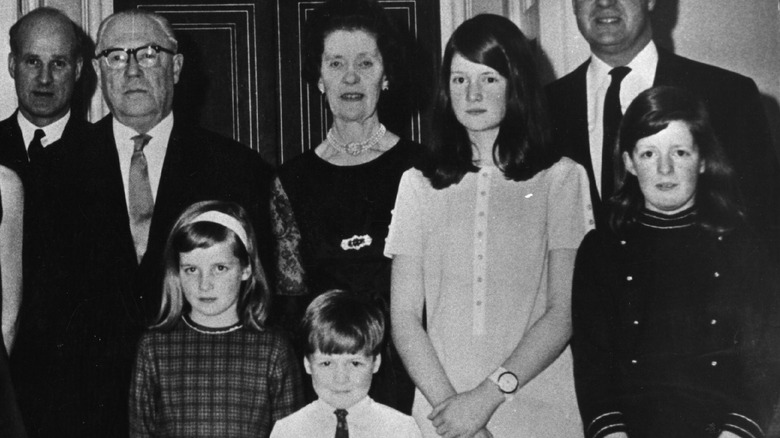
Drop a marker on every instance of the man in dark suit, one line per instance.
(139, 170)
(45, 63)
(619, 33)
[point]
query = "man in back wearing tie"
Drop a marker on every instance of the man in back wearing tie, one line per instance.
(587, 104)
(45, 63)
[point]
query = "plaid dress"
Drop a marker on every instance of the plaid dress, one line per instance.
(196, 381)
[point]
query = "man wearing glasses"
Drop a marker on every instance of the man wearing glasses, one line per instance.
(140, 168)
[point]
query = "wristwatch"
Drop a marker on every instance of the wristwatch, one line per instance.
(505, 380)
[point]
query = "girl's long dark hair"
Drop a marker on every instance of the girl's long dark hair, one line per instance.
(717, 196)
(522, 147)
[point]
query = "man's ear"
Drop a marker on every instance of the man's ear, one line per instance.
(307, 365)
(98, 74)
(178, 63)
(79, 65)
(629, 163)
(377, 362)
(650, 5)
(11, 65)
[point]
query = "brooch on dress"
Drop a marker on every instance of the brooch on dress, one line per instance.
(356, 242)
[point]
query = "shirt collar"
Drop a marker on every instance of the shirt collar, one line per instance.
(357, 408)
(644, 65)
(161, 131)
(53, 131)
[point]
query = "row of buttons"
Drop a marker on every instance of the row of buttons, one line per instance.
(716, 274)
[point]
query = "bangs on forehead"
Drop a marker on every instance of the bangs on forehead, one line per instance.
(334, 341)
(202, 235)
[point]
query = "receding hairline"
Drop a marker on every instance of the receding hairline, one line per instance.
(156, 18)
(40, 15)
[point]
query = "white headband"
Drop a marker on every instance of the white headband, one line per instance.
(226, 221)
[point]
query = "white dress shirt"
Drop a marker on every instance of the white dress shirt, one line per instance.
(366, 419)
(154, 151)
(640, 78)
(53, 131)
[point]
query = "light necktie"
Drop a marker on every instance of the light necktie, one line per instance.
(342, 431)
(35, 149)
(140, 196)
(612, 116)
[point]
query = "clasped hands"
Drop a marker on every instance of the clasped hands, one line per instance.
(466, 415)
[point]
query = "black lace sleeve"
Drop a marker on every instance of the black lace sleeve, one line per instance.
(287, 236)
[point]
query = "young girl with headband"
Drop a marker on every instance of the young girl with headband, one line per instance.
(209, 366)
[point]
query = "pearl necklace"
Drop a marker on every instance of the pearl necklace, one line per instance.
(358, 147)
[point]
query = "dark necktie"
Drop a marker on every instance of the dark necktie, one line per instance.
(140, 196)
(342, 431)
(612, 116)
(35, 149)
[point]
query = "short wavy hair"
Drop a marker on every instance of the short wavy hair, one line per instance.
(717, 196)
(163, 22)
(185, 236)
(352, 15)
(522, 147)
(341, 322)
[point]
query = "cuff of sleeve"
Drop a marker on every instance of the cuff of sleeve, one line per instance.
(605, 424)
(742, 425)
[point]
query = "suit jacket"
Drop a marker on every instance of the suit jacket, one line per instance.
(736, 112)
(40, 179)
(103, 298)
(40, 186)
(31, 357)
(13, 152)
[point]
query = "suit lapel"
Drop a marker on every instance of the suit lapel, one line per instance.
(106, 165)
(580, 121)
(13, 152)
(176, 182)
(579, 132)
(669, 71)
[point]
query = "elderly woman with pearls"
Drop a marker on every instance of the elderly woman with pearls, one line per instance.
(332, 204)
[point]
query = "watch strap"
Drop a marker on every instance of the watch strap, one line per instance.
(496, 377)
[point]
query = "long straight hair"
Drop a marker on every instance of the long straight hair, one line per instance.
(185, 236)
(717, 195)
(522, 147)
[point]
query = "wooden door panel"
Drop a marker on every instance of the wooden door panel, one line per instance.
(241, 75)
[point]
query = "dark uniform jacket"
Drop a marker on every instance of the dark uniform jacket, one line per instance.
(672, 332)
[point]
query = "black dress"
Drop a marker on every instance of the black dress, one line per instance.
(672, 333)
(331, 223)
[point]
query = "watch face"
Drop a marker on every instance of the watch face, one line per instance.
(507, 382)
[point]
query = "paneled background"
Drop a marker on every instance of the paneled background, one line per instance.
(742, 36)
(242, 78)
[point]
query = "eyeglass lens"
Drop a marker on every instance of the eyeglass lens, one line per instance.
(144, 56)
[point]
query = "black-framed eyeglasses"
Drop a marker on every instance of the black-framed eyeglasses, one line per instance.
(145, 56)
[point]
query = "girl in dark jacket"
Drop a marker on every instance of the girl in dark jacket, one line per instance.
(673, 303)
